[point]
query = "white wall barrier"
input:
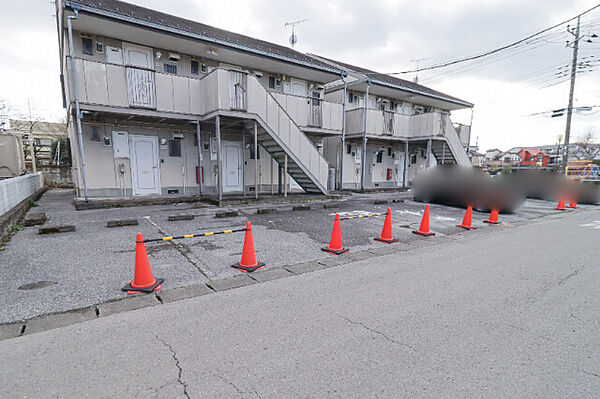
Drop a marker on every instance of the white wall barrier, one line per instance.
(16, 189)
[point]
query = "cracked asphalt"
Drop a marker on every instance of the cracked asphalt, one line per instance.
(505, 312)
(89, 266)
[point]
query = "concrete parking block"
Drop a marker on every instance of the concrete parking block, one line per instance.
(305, 267)
(12, 330)
(57, 320)
(177, 294)
(227, 214)
(176, 218)
(271, 274)
(34, 219)
(301, 208)
(265, 211)
(56, 229)
(231, 282)
(127, 304)
(122, 222)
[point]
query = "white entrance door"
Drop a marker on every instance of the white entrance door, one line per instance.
(145, 172)
(232, 166)
(138, 56)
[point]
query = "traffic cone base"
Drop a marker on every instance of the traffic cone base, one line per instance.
(132, 290)
(466, 227)
(248, 269)
(491, 222)
(573, 205)
(385, 241)
(331, 251)
(420, 233)
(561, 206)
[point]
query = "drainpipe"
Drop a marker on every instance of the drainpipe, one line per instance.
(341, 180)
(199, 140)
(79, 116)
(364, 143)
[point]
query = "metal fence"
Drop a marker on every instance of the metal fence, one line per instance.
(16, 189)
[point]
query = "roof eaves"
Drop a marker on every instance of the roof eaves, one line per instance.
(422, 93)
(93, 10)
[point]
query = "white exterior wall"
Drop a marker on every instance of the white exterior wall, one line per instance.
(17, 189)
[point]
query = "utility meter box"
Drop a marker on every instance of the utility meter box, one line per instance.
(120, 144)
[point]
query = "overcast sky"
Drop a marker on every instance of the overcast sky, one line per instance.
(381, 35)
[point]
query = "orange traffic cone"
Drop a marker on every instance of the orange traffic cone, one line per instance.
(466, 223)
(573, 205)
(248, 262)
(493, 217)
(335, 244)
(424, 228)
(143, 281)
(561, 206)
(386, 233)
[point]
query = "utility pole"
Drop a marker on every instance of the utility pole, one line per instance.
(571, 91)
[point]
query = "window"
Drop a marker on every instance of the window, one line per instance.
(204, 69)
(175, 148)
(195, 67)
(99, 47)
(95, 135)
(349, 149)
(380, 157)
(252, 152)
(413, 159)
(87, 44)
(389, 151)
(350, 97)
(170, 68)
(271, 82)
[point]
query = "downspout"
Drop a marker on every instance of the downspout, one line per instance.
(199, 140)
(364, 143)
(76, 98)
(341, 181)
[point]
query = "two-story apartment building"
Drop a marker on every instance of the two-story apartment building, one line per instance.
(161, 105)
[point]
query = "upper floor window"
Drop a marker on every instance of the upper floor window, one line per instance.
(195, 67)
(87, 45)
(175, 148)
(271, 82)
(170, 68)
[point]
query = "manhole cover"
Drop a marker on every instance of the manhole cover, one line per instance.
(37, 285)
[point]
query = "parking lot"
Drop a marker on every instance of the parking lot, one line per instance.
(59, 272)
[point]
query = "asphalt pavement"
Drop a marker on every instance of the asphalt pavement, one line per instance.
(44, 274)
(506, 312)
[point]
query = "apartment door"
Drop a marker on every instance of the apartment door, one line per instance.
(315, 109)
(145, 172)
(369, 159)
(140, 75)
(232, 166)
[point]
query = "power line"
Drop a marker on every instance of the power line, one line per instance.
(494, 51)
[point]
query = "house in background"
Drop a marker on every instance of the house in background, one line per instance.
(45, 136)
(533, 157)
(161, 105)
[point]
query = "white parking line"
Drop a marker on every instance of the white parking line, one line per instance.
(595, 224)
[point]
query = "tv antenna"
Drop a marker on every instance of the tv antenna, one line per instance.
(417, 61)
(293, 37)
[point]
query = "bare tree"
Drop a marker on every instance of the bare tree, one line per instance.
(587, 147)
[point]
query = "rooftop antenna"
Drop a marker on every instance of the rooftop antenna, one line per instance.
(293, 37)
(416, 78)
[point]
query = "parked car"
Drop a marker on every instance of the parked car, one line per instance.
(462, 187)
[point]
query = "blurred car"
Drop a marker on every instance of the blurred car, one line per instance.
(463, 186)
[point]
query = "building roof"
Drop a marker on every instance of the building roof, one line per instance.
(534, 151)
(38, 128)
(388, 80)
(160, 20)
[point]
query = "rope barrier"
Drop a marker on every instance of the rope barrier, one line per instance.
(210, 233)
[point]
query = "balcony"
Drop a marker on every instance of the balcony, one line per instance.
(112, 85)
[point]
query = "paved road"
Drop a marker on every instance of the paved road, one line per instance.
(90, 265)
(512, 312)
